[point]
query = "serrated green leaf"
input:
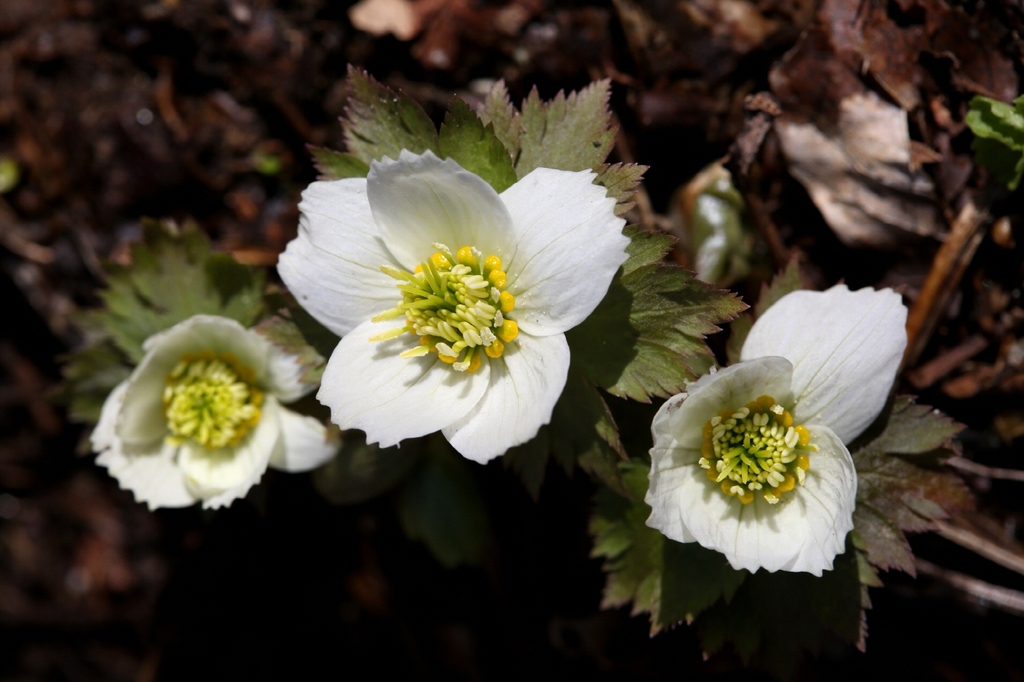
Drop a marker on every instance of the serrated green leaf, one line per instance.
(650, 325)
(315, 334)
(334, 165)
(738, 331)
(380, 122)
(173, 277)
(362, 471)
(581, 431)
(569, 133)
(440, 505)
(286, 336)
(999, 137)
(530, 461)
(785, 282)
(883, 543)
(621, 181)
(895, 495)
(90, 374)
(474, 146)
(499, 111)
(671, 581)
(774, 618)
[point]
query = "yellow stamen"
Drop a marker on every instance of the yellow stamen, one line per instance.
(491, 263)
(509, 331)
(805, 435)
(508, 302)
(495, 349)
(497, 278)
(440, 261)
(466, 256)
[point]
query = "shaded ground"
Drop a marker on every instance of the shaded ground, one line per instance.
(118, 109)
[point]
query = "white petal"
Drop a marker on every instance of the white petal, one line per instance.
(802, 533)
(307, 443)
(570, 244)
(421, 200)
(333, 265)
(845, 347)
(679, 421)
(283, 376)
(223, 475)
(102, 436)
(151, 474)
(526, 382)
(368, 387)
(680, 494)
(812, 527)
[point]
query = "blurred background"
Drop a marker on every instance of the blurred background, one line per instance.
(116, 110)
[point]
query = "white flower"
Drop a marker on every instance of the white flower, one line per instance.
(200, 417)
(452, 300)
(752, 460)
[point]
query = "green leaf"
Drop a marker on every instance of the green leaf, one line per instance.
(775, 617)
(999, 141)
(498, 110)
(380, 122)
(90, 374)
(883, 543)
(173, 277)
(315, 334)
(738, 331)
(669, 580)
(895, 494)
(334, 165)
(474, 146)
(440, 505)
(286, 336)
(360, 472)
(718, 238)
(581, 431)
(649, 330)
(530, 461)
(785, 282)
(621, 181)
(569, 133)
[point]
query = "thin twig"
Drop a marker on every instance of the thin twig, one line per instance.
(944, 363)
(984, 471)
(948, 266)
(987, 594)
(983, 546)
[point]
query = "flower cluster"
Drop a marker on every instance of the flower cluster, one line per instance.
(752, 460)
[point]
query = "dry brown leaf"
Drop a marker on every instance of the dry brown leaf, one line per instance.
(380, 17)
(860, 177)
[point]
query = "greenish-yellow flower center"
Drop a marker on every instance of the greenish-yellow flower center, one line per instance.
(211, 400)
(756, 450)
(457, 305)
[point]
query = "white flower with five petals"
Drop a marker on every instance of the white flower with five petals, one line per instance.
(201, 416)
(752, 461)
(452, 301)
